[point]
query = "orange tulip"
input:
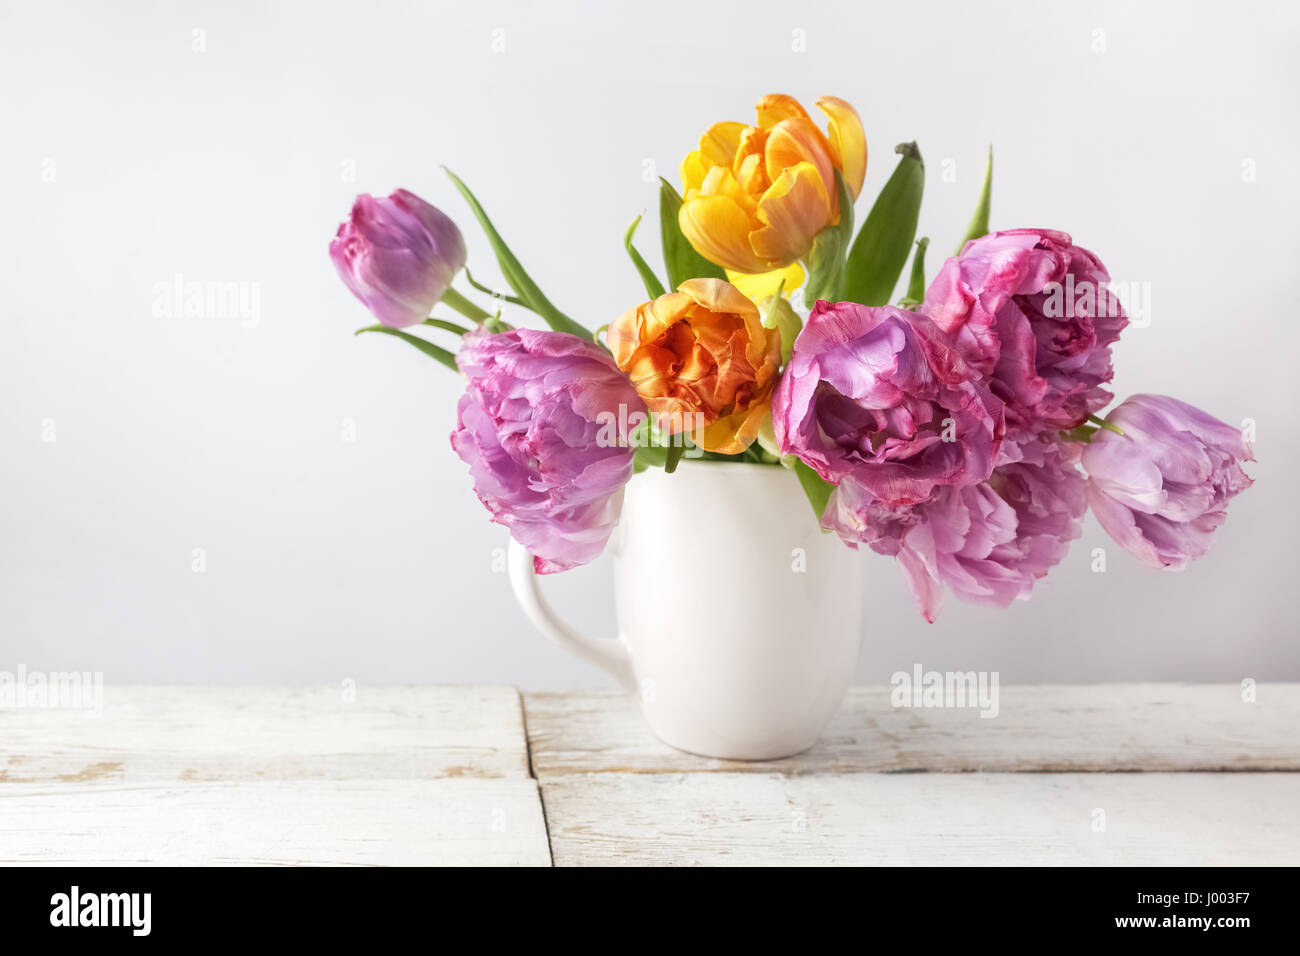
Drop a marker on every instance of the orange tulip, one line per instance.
(702, 361)
(756, 196)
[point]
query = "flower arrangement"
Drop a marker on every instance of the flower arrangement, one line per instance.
(957, 430)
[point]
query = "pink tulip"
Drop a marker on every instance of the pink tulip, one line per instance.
(877, 394)
(398, 256)
(1162, 487)
(988, 543)
(537, 426)
(1033, 314)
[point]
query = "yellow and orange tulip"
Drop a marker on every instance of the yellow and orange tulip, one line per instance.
(756, 196)
(702, 361)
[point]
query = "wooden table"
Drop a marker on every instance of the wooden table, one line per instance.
(483, 775)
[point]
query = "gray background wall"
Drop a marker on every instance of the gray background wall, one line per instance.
(1163, 136)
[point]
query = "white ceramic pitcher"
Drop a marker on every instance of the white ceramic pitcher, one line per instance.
(739, 621)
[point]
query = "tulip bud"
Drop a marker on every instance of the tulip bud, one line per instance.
(779, 314)
(398, 256)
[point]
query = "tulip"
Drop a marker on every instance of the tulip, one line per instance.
(989, 543)
(702, 361)
(398, 256)
(874, 393)
(755, 197)
(544, 427)
(1160, 476)
(1032, 312)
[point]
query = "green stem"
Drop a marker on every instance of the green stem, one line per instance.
(464, 306)
(1102, 423)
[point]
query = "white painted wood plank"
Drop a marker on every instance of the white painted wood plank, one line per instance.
(1152, 727)
(209, 733)
(684, 819)
(457, 822)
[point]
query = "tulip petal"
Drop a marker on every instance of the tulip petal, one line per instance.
(719, 296)
(693, 171)
(847, 139)
(796, 141)
(721, 182)
(758, 286)
(718, 228)
(776, 107)
(718, 146)
(731, 434)
(793, 210)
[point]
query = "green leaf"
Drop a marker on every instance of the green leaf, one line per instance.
(449, 326)
(916, 284)
(653, 287)
(649, 456)
(815, 487)
(979, 223)
(649, 452)
(428, 348)
(826, 260)
(675, 452)
(530, 296)
(880, 252)
(492, 292)
(681, 260)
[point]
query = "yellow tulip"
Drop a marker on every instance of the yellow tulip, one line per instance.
(756, 196)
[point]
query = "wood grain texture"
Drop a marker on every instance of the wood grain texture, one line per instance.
(441, 775)
(150, 734)
(1128, 727)
(264, 775)
(760, 819)
(460, 822)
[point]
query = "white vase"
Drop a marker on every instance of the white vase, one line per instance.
(739, 620)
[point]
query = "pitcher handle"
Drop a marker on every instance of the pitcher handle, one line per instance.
(609, 655)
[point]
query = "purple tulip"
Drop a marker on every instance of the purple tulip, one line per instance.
(1033, 312)
(988, 542)
(1161, 488)
(544, 427)
(875, 394)
(398, 256)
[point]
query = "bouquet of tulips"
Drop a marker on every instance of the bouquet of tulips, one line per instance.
(947, 430)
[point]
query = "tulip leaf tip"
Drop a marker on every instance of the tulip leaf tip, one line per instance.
(909, 150)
